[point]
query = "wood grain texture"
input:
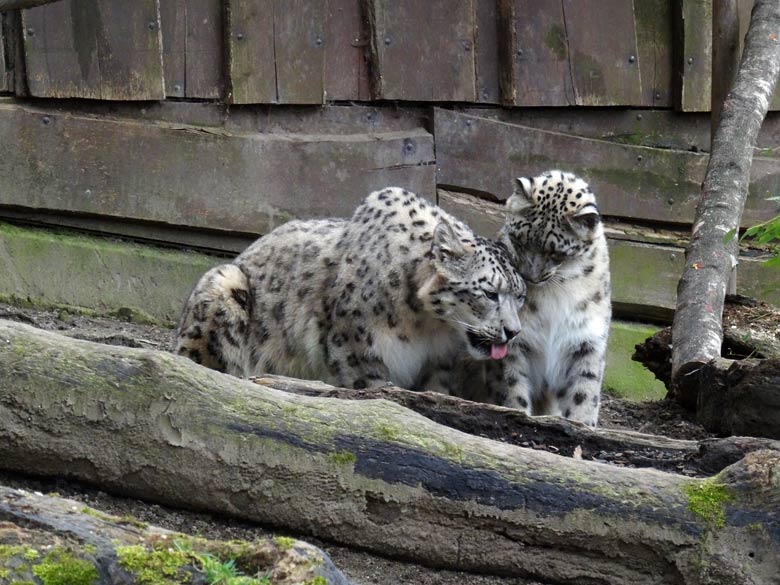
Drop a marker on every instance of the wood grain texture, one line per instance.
(6, 5)
(299, 50)
(391, 480)
(534, 54)
(346, 45)
(655, 42)
(200, 177)
(603, 53)
(173, 20)
(5, 84)
(694, 62)
(98, 49)
(250, 45)
(481, 155)
(486, 46)
(423, 50)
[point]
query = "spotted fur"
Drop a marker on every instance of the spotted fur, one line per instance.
(556, 364)
(394, 293)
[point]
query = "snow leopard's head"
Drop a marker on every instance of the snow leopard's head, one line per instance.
(552, 224)
(475, 288)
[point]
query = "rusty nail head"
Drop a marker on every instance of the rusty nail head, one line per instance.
(46, 120)
(631, 58)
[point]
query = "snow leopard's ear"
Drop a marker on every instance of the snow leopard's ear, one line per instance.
(522, 197)
(585, 220)
(446, 243)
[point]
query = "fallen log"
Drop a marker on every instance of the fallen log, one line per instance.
(372, 473)
(60, 538)
(551, 433)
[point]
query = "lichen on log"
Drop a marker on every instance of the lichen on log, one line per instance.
(369, 473)
(62, 541)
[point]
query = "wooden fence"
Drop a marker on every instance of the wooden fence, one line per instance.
(206, 122)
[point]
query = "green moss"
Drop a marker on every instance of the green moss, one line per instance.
(5, 573)
(707, 499)
(343, 458)
(387, 433)
(25, 582)
(156, 567)
(60, 567)
(31, 555)
(318, 580)
(134, 315)
(624, 377)
(556, 41)
(284, 542)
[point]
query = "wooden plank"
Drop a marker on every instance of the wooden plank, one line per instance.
(406, 34)
(192, 48)
(250, 45)
(655, 41)
(204, 57)
(109, 49)
(346, 42)
(299, 49)
(170, 173)
(694, 66)
(486, 47)
(644, 275)
(4, 81)
(534, 54)
(479, 155)
(603, 52)
(173, 21)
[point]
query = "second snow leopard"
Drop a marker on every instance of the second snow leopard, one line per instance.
(396, 293)
(556, 363)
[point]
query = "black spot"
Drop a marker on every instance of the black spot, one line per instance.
(196, 356)
(359, 384)
(352, 360)
(195, 333)
(561, 393)
(584, 349)
(241, 296)
(567, 414)
(579, 397)
(522, 402)
(589, 375)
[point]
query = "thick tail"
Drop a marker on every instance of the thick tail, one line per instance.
(214, 324)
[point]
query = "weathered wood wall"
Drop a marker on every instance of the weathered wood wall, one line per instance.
(234, 133)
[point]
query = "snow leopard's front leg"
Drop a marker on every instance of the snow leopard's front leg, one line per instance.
(510, 384)
(579, 398)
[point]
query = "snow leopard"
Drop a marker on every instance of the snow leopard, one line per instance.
(394, 294)
(556, 363)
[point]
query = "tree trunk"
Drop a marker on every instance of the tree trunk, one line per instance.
(372, 473)
(708, 260)
(38, 532)
(14, 4)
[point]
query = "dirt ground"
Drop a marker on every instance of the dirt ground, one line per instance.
(662, 418)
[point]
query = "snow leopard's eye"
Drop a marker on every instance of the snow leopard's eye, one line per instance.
(491, 295)
(558, 257)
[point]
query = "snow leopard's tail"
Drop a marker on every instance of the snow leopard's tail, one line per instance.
(214, 323)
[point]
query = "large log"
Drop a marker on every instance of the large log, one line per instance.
(372, 473)
(709, 261)
(52, 536)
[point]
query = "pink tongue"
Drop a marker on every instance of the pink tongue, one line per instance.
(497, 352)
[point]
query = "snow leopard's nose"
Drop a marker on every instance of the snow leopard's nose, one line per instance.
(510, 334)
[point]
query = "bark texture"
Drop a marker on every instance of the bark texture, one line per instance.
(552, 433)
(14, 4)
(708, 260)
(372, 473)
(38, 531)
